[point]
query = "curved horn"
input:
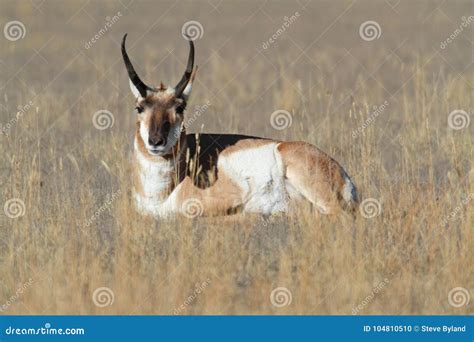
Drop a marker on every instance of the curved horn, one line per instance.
(187, 74)
(137, 82)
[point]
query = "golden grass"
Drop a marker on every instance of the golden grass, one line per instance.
(408, 159)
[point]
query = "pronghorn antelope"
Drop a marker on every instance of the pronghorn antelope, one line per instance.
(231, 172)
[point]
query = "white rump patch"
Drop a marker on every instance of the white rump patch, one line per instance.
(349, 193)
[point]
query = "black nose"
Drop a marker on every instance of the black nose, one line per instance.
(156, 141)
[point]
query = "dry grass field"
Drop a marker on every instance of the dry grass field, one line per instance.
(393, 108)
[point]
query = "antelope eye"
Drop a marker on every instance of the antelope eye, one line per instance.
(180, 109)
(139, 109)
(180, 106)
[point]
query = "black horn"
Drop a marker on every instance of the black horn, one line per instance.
(187, 74)
(137, 82)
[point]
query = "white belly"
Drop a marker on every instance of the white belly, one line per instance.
(259, 173)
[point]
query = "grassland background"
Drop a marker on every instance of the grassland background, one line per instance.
(323, 73)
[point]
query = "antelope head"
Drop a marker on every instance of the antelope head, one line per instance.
(160, 110)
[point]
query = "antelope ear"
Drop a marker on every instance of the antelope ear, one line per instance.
(189, 86)
(134, 89)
